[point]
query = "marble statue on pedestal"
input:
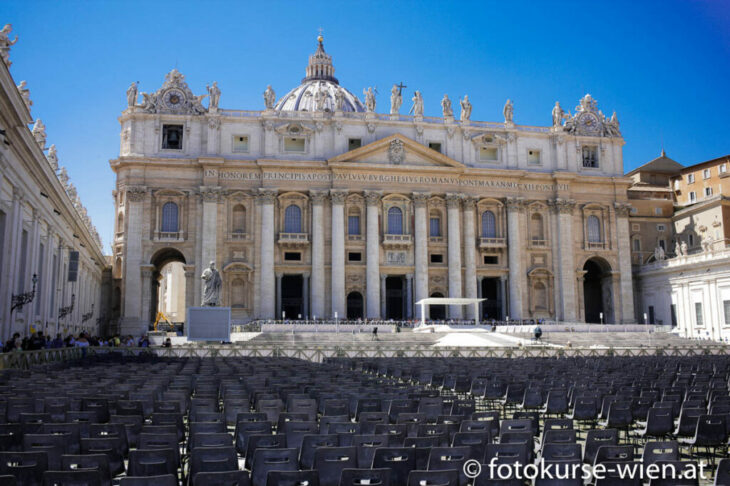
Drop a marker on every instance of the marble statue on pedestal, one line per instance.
(269, 98)
(659, 253)
(369, 99)
(465, 108)
(6, 43)
(677, 249)
(25, 94)
(211, 286)
(706, 242)
(558, 115)
(39, 133)
(63, 177)
(320, 97)
(132, 94)
(417, 107)
(508, 112)
(396, 100)
(339, 99)
(53, 157)
(214, 96)
(446, 106)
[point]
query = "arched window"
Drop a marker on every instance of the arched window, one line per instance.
(637, 244)
(293, 219)
(395, 221)
(238, 296)
(169, 218)
(594, 229)
(239, 219)
(434, 224)
(540, 296)
(489, 225)
(536, 227)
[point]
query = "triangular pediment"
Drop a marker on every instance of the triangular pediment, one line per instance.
(396, 150)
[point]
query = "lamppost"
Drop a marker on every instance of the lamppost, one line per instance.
(64, 311)
(19, 300)
(88, 315)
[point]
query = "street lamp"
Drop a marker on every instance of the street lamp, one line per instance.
(64, 311)
(19, 300)
(88, 315)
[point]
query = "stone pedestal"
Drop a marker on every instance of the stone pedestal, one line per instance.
(208, 324)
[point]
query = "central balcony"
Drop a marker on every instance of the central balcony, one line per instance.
(485, 242)
(293, 239)
(397, 241)
(595, 245)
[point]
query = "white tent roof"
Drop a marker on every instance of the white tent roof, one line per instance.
(448, 301)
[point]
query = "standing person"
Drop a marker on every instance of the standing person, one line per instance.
(375, 333)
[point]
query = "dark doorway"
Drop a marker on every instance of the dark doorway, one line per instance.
(167, 261)
(291, 296)
(394, 297)
(354, 305)
(492, 307)
(437, 312)
(596, 291)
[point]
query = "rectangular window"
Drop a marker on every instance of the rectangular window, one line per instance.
(660, 227)
(294, 144)
(658, 211)
(690, 178)
(172, 137)
(354, 256)
(634, 210)
(73, 266)
(292, 256)
(491, 259)
(708, 191)
(651, 314)
(435, 146)
(590, 157)
(673, 312)
(533, 157)
(488, 154)
(637, 244)
(354, 143)
(706, 173)
(691, 240)
(726, 309)
(353, 225)
(698, 314)
(240, 143)
(676, 184)
(723, 168)
(435, 227)
(692, 197)
(437, 258)
(635, 227)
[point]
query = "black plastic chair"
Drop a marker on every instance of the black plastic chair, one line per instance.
(450, 458)
(72, 478)
(95, 462)
(682, 468)
(224, 478)
(613, 476)
(445, 477)
(166, 480)
(52, 444)
(659, 424)
(213, 459)
(292, 478)
(152, 462)
(246, 429)
(476, 441)
(330, 461)
(310, 444)
(722, 475)
(597, 438)
(660, 451)
(27, 467)
(400, 460)
(110, 447)
(267, 460)
(360, 477)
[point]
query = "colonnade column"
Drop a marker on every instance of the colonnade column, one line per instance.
(278, 297)
(318, 198)
(514, 245)
(470, 266)
(189, 286)
(421, 250)
(503, 295)
(453, 203)
(305, 295)
(339, 305)
(564, 213)
(373, 256)
(624, 261)
(266, 199)
(211, 198)
(383, 308)
(146, 275)
(8, 278)
(409, 296)
(132, 317)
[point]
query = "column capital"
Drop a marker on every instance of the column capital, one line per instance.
(338, 197)
(147, 270)
(318, 197)
(266, 196)
(453, 200)
(372, 197)
(136, 193)
(562, 206)
(306, 274)
(470, 202)
(515, 203)
(420, 199)
(409, 276)
(211, 194)
(622, 208)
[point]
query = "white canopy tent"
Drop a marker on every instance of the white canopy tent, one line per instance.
(449, 301)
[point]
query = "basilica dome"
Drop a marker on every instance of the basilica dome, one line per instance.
(320, 89)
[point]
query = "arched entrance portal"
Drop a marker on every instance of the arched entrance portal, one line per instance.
(437, 312)
(168, 285)
(292, 296)
(597, 298)
(354, 305)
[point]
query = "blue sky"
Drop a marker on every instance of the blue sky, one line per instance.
(664, 66)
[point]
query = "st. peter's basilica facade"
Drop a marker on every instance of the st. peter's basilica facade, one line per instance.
(320, 205)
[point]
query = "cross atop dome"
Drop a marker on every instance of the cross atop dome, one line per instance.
(320, 66)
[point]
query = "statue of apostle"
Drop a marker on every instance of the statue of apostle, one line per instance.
(396, 100)
(211, 286)
(465, 109)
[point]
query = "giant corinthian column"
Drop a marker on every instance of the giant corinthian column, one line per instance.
(470, 267)
(453, 204)
(339, 305)
(266, 198)
(318, 198)
(624, 262)
(564, 212)
(514, 249)
(373, 256)
(421, 248)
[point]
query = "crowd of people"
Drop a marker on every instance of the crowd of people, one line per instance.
(37, 340)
